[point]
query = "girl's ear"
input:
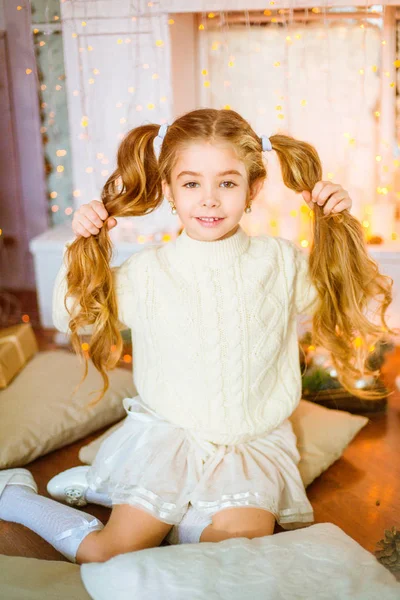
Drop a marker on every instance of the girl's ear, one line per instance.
(256, 187)
(166, 190)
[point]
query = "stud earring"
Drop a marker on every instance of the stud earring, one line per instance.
(248, 210)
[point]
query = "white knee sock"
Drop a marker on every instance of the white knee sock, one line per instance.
(190, 528)
(62, 526)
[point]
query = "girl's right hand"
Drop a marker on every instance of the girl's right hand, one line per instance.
(89, 218)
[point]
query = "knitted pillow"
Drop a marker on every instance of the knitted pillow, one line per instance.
(322, 436)
(38, 412)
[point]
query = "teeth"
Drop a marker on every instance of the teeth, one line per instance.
(207, 219)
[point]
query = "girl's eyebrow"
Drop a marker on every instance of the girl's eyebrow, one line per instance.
(231, 172)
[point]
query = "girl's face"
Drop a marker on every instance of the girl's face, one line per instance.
(208, 180)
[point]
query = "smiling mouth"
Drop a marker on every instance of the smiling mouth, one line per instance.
(210, 218)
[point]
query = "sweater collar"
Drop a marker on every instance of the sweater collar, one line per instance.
(215, 253)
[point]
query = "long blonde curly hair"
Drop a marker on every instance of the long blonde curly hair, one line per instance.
(346, 278)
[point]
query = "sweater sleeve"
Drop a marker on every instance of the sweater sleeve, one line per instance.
(305, 293)
(122, 277)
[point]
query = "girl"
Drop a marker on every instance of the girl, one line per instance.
(207, 445)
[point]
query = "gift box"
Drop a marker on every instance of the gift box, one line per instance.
(17, 345)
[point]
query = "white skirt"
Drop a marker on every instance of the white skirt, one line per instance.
(162, 468)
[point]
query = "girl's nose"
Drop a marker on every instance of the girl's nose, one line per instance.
(210, 201)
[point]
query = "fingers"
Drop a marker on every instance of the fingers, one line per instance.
(111, 223)
(89, 219)
(85, 226)
(323, 190)
(316, 190)
(99, 209)
(341, 206)
(336, 201)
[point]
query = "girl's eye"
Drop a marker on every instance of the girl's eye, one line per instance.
(233, 184)
(186, 184)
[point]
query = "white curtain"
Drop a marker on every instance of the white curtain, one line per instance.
(319, 91)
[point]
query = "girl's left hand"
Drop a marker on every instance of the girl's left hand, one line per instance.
(329, 195)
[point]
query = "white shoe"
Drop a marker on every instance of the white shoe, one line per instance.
(17, 477)
(70, 486)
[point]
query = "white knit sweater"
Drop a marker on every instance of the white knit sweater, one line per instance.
(214, 331)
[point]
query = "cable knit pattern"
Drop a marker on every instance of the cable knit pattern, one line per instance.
(214, 331)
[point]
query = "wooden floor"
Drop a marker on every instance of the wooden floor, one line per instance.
(360, 493)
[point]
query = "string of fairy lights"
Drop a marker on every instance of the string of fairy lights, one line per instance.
(102, 166)
(99, 163)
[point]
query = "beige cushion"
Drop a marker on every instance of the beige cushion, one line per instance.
(322, 436)
(33, 579)
(39, 413)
